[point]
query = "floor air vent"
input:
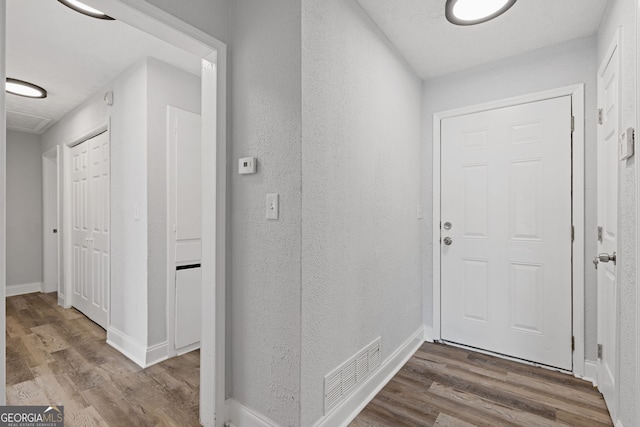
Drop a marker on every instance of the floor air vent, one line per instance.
(344, 379)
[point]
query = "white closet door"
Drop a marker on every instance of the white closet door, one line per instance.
(90, 227)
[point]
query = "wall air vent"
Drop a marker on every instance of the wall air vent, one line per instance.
(352, 373)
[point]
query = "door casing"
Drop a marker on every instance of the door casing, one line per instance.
(577, 106)
(51, 220)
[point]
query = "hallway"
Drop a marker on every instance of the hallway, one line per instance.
(58, 356)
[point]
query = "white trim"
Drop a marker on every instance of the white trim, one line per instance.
(350, 407)
(23, 289)
(140, 354)
(241, 416)
(577, 102)
(156, 354)
(127, 346)
(591, 372)
(50, 206)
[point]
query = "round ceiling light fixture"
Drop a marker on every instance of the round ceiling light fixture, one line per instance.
(85, 10)
(26, 89)
(471, 12)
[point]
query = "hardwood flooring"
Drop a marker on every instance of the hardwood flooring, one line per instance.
(58, 356)
(447, 386)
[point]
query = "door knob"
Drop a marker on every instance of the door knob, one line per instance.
(448, 241)
(606, 258)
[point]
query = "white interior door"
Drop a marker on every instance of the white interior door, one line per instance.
(185, 218)
(608, 317)
(506, 208)
(90, 227)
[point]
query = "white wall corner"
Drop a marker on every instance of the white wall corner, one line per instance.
(428, 334)
(241, 416)
(591, 372)
(23, 288)
(127, 346)
(350, 407)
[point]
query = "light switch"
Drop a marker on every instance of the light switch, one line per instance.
(273, 208)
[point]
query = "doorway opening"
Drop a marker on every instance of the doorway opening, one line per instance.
(158, 23)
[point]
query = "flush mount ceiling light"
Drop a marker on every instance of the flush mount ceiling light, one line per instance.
(471, 12)
(22, 88)
(85, 10)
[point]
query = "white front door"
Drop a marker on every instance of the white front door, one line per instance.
(506, 231)
(608, 317)
(90, 227)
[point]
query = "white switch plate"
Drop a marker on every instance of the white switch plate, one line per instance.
(247, 165)
(273, 206)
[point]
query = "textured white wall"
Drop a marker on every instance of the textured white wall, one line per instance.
(549, 68)
(24, 209)
(263, 351)
(129, 194)
(622, 14)
(166, 85)
(361, 162)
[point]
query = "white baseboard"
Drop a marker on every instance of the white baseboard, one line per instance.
(157, 354)
(239, 415)
(345, 412)
(428, 333)
(127, 346)
(23, 288)
(143, 356)
(591, 372)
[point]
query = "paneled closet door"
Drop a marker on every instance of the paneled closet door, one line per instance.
(90, 227)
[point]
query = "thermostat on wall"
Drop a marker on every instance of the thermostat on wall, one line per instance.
(247, 165)
(625, 145)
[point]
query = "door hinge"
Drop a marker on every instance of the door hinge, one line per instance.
(573, 233)
(573, 343)
(599, 351)
(573, 124)
(600, 234)
(600, 117)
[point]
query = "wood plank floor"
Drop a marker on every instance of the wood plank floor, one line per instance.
(58, 356)
(447, 386)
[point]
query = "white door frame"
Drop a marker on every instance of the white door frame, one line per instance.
(50, 206)
(165, 26)
(577, 106)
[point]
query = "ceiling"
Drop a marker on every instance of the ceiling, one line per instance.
(73, 57)
(435, 47)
